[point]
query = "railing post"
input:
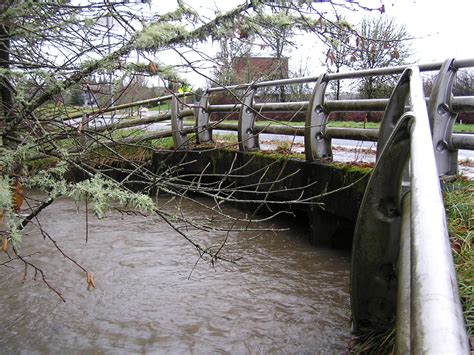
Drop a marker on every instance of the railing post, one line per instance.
(317, 144)
(203, 133)
(179, 139)
(248, 140)
(442, 119)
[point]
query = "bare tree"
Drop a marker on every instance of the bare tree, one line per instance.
(340, 51)
(277, 31)
(463, 86)
(47, 48)
(231, 47)
(380, 42)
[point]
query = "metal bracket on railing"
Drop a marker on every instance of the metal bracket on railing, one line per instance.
(376, 243)
(317, 144)
(376, 238)
(442, 119)
(203, 133)
(180, 140)
(247, 139)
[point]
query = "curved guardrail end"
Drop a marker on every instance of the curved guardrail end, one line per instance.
(180, 139)
(203, 133)
(248, 138)
(395, 109)
(376, 239)
(442, 119)
(317, 144)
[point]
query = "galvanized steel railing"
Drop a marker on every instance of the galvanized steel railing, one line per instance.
(443, 108)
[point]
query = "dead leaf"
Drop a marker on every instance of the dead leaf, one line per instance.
(90, 281)
(18, 196)
(152, 68)
(5, 245)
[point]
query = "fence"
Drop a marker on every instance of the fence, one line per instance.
(317, 135)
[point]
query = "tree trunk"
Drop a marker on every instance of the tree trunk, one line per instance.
(279, 54)
(6, 97)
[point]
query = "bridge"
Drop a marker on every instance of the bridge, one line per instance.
(402, 265)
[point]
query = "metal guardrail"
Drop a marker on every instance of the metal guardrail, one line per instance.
(459, 103)
(402, 226)
(463, 63)
(317, 136)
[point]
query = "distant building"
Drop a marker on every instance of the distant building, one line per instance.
(248, 69)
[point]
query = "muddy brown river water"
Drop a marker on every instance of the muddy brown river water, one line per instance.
(283, 296)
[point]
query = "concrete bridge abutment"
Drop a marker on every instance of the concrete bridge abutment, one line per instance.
(328, 194)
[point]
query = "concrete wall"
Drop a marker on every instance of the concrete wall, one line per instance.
(331, 218)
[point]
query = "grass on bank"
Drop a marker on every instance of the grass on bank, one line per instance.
(459, 204)
(166, 106)
(139, 151)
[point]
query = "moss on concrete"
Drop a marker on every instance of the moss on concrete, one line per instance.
(278, 156)
(353, 168)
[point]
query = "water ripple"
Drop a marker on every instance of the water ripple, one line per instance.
(284, 296)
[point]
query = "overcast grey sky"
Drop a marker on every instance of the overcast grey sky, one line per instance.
(445, 28)
(442, 29)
